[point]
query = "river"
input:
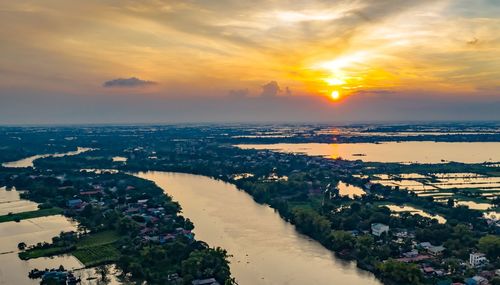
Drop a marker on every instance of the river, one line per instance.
(265, 249)
(28, 161)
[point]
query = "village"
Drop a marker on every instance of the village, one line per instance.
(115, 219)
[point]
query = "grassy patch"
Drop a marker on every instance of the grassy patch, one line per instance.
(42, 252)
(91, 250)
(100, 238)
(97, 248)
(30, 215)
(95, 255)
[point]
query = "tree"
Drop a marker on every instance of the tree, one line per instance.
(396, 272)
(103, 271)
(188, 225)
(341, 240)
(451, 203)
(312, 223)
(355, 207)
(87, 211)
(490, 245)
(495, 281)
(21, 245)
(207, 263)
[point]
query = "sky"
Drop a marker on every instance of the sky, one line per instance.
(125, 61)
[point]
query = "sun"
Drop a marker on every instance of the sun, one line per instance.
(335, 95)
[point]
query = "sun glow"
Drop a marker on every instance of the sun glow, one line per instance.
(337, 65)
(335, 95)
(344, 73)
(334, 81)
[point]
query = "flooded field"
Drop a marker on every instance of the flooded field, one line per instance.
(401, 152)
(350, 190)
(475, 205)
(442, 186)
(10, 202)
(440, 183)
(412, 210)
(31, 231)
(119, 159)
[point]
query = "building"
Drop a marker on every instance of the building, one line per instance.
(476, 280)
(379, 229)
(477, 259)
(425, 245)
(436, 250)
(411, 254)
(209, 281)
(74, 203)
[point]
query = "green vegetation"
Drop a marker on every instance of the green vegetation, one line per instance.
(400, 273)
(44, 252)
(30, 215)
(490, 245)
(98, 248)
(96, 239)
(95, 255)
(92, 249)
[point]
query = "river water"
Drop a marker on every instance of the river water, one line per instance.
(28, 161)
(265, 249)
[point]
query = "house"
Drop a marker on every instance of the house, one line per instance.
(368, 185)
(54, 276)
(428, 270)
(173, 277)
(476, 280)
(74, 203)
(425, 245)
(477, 259)
(444, 282)
(90, 192)
(209, 281)
(436, 250)
(487, 274)
(379, 229)
(410, 254)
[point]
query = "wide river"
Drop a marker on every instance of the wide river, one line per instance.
(403, 152)
(265, 249)
(28, 161)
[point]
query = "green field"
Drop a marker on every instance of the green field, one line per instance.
(100, 238)
(97, 248)
(94, 249)
(95, 255)
(42, 252)
(30, 215)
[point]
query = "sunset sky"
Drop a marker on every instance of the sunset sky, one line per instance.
(102, 61)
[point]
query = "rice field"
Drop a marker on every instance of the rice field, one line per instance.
(470, 189)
